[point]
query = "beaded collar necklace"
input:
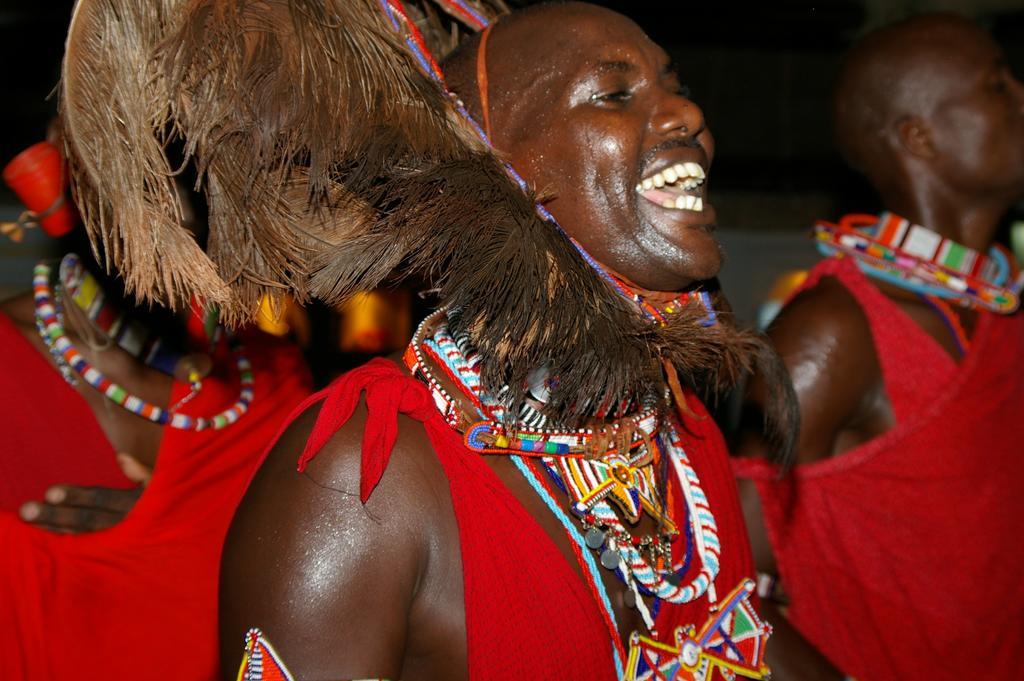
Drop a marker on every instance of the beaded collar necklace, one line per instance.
(912, 257)
(489, 429)
(116, 327)
(608, 475)
(50, 324)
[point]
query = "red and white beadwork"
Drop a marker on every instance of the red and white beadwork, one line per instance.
(485, 430)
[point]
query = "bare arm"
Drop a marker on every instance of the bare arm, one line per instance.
(333, 583)
(825, 342)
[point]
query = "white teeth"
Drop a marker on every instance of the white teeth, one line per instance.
(686, 202)
(694, 170)
(689, 175)
(682, 176)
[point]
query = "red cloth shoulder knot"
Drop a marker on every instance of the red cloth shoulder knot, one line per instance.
(389, 392)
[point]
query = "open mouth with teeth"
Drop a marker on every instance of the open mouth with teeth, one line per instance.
(678, 187)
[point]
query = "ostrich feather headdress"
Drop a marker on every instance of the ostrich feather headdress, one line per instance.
(328, 160)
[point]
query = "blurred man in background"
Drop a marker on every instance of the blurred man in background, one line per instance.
(894, 537)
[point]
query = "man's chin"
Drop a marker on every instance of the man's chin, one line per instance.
(704, 260)
(697, 256)
(688, 237)
(682, 266)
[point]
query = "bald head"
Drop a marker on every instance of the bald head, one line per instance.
(902, 73)
(585, 106)
(523, 61)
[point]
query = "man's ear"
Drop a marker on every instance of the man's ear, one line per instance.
(914, 136)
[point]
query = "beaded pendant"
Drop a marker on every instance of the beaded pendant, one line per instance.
(609, 490)
(732, 642)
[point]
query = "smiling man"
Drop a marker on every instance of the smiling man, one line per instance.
(476, 556)
(598, 121)
(536, 490)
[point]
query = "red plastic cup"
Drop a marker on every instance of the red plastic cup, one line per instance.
(36, 177)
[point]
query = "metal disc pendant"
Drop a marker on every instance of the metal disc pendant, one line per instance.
(594, 538)
(610, 559)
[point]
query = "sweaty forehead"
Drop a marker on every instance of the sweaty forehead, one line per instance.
(537, 55)
(565, 38)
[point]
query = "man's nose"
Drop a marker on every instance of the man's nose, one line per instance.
(678, 115)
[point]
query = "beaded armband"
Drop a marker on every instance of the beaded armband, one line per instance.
(261, 662)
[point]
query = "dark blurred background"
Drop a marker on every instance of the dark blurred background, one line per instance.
(761, 71)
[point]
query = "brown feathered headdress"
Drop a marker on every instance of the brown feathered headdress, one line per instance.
(329, 159)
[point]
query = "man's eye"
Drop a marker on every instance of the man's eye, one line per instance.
(614, 97)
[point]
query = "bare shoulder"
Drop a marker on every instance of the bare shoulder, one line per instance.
(825, 341)
(332, 581)
(820, 316)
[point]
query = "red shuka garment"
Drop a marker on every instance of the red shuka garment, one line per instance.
(41, 415)
(902, 557)
(139, 601)
(528, 613)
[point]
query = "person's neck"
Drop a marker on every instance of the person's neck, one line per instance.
(970, 221)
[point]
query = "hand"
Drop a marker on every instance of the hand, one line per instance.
(72, 509)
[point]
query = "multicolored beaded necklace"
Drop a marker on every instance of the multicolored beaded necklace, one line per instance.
(893, 249)
(50, 323)
(608, 475)
(116, 327)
